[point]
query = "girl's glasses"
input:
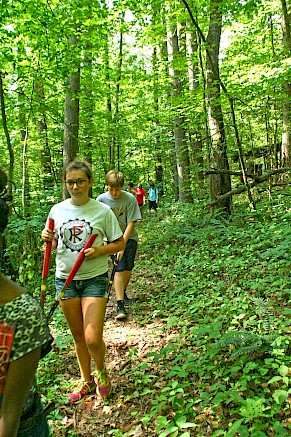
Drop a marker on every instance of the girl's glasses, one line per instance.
(79, 182)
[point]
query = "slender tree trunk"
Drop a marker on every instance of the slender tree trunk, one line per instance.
(25, 178)
(115, 142)
(286, 109)
(195, 135)
(23, 138)
(181, 147)
(72, 107)
(44, 150)
(175, 178)
(88, 105)
(156, 125)
(219, 183)
(7, 136)
(110, 125)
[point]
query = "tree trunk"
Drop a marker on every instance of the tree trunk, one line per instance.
(286, 108)
(181, 148)
(7, 136)
(72, 107)
(156, 125)
(110, 125)
(44, 150)
(115, 142)
(88, 105)
(175, 181)
(220, 183)
(195, 135)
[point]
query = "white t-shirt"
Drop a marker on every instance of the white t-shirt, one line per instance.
(74, 225)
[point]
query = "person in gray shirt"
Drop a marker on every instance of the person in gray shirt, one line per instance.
(126, 209)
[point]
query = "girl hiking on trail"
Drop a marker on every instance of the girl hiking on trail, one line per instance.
(25, 338)
(84, 302)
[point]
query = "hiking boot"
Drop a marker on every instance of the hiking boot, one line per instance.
(88, 387)
(120, 312)
(126, 300)
(103, 383)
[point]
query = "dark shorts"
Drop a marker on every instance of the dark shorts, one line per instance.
(34, 424)
(93, 287)
(127, 261)
(152, 204)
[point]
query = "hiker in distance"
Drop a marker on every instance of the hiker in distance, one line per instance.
(140, 197)
(25, 339)
(130, 189)
(84, 302)
(153, 193)
(126, 209)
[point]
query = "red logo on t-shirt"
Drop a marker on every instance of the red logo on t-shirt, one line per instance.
(6, 340)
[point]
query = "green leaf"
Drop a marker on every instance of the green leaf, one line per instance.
(218, 433)
(280, 396)
(182, 424)
(283, 370)
(234, 427)
(275, 379)
(172, 429)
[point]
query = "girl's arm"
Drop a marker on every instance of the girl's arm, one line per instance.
(19, 378)
(107, 249)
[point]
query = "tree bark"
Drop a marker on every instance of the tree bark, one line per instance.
(286, 107)
(220, 183)
(195, 135)
(181, 147)
(115, 142)
(44, 150)
(72, 108)
(7, 136)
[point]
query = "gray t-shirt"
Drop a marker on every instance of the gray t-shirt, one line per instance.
(125, 208)
(74, 225)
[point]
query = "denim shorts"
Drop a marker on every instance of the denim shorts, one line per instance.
(93, 287)
(127, 261)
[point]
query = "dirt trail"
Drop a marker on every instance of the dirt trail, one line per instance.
(127, 345)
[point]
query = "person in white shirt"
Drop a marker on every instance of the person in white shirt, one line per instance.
(84, 303)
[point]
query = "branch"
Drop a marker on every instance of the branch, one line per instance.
(230, 172)
(243, 188)
(250, 175)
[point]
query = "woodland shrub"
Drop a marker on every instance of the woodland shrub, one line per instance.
(226, 296)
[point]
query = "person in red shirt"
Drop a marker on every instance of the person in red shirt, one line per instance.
(140, 197)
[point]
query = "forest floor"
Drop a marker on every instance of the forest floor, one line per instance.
(127, 343)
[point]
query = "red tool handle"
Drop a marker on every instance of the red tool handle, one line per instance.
(80, 259)
(48, 251)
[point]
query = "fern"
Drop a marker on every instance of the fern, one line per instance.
(265, 313)
(245, 342)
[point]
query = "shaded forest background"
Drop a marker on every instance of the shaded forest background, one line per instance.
(193, 95)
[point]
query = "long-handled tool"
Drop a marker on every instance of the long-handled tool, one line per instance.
(46, 263)
(111, 280)
(72, 273)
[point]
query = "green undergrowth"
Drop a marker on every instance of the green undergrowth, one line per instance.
(222, 289)
(219, 289)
